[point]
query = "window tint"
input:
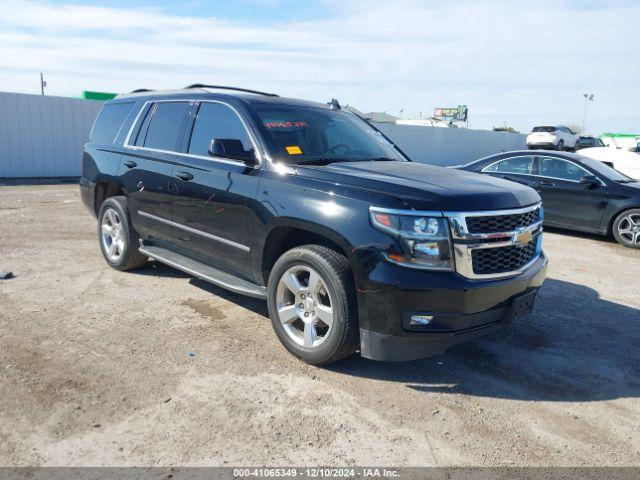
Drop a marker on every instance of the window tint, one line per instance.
(544, 129)
(606, 170)
(142, 131)
(217, 121)
(109, 121)
(522, 165)
(561, 169)
(300, 134)
(165, 125)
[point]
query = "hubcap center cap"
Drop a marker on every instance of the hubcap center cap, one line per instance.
(308, 304)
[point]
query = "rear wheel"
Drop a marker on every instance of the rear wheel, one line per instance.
(560, 145)
(118, 240)
(626, 228)
(312, 304)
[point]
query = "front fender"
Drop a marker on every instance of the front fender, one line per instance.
(293, 202)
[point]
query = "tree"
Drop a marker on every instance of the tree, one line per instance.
(575, 127)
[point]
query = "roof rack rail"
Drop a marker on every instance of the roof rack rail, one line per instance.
(236, 89)
(140, 90)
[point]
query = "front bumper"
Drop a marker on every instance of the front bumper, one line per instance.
(462, 309)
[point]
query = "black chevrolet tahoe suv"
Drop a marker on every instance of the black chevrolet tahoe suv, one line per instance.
(353, 245)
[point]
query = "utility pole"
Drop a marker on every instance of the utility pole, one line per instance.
(42, 83)
(587, 97)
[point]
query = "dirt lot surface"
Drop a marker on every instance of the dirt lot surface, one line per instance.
(100, 367)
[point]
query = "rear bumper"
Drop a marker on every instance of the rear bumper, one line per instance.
(460, 310)
(541, 144)
(87, 195)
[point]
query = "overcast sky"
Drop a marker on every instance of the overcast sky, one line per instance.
(522, 63)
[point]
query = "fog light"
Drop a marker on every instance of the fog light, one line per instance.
(420, 320)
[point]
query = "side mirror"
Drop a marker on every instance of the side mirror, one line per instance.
(590, 181)
(233, 149)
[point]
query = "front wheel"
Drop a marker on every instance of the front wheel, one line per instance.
(560, 145)
(626, 228)
(312, 305)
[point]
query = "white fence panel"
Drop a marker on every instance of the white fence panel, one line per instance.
(450, 146)
(43, 136)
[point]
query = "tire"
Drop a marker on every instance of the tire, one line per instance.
(288, 297)
(626, 228)
(560, 145)
(123, 239)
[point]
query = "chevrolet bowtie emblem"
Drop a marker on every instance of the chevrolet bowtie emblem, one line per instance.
(524, 237)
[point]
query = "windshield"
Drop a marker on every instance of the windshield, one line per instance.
(313, 135)
(605, 170)
(544, 129)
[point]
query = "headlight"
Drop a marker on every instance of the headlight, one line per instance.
(421, 241)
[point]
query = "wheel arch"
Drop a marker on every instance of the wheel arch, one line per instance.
(617, 213)
(290, 233)
(104, 189)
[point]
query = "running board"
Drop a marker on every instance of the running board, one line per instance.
(203, 271)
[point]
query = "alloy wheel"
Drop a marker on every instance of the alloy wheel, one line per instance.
(305, 307)
(629, 229)
(112, 235)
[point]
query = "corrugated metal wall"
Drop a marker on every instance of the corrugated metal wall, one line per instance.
(43, 136)
(450, 146)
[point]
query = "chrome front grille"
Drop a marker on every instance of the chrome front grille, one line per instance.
(496, 244)
(501, 223)
(487, 261)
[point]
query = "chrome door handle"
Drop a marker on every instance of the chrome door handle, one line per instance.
(184, 176)
(545, 183)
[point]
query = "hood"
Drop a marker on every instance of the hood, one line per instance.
(608, 153)
(426, 187)
(631, 189)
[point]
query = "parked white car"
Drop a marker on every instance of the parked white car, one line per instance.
(622, 141)
(557, 137)
(623, 161)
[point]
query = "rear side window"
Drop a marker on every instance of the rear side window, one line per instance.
(561, 169)
(109, 122)
(521, 165)
(165, 126)
(218, 121)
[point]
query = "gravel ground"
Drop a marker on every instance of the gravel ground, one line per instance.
(153, 367)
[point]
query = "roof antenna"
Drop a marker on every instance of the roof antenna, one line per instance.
(333, 104)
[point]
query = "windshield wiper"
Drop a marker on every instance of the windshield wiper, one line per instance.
(328, 160)
(369, 159)
(626, 181)
(320, 161)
